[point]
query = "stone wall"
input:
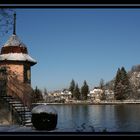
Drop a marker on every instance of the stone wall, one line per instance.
(15, 87)
(5, 114)
(17, 69)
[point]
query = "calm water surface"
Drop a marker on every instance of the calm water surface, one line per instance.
(89, 118)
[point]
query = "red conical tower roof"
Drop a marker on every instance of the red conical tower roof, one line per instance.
(15, 50)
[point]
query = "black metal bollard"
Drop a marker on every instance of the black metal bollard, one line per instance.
(44, 117)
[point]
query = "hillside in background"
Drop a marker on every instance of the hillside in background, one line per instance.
(134, 78)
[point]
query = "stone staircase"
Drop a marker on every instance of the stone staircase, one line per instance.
(17, 95)
(22, 111)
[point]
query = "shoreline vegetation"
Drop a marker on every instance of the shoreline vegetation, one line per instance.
(112, 102)
(124, 88)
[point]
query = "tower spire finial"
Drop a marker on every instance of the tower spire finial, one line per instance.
(14, 24)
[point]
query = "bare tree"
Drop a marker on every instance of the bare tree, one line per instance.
(6, 20)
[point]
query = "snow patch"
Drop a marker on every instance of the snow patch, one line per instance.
(44, 108)
(17, 57)
(14, 41)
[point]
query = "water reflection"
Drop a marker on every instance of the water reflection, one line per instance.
(102, 117)
(127, 118)
(115, 118)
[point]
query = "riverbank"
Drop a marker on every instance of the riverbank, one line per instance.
(89, 118)
(112, 102)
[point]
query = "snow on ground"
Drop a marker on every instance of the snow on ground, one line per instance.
(19, 128)
(44, 108)
(14, 128)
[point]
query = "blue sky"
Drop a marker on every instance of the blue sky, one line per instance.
(80, 44)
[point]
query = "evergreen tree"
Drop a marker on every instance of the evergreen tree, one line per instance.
(84, 91)
(125, 82)
(117, 84)
(110, 85)
(101, 85)
(37, 95)
(45, 92)
(122, 87)
(118, 87)
(118, 91)
(118, 76)
(103, 96)
(76, 92)
(72, 87)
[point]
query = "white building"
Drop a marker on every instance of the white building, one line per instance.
(109, 94)
(95, 94)
(66, 94)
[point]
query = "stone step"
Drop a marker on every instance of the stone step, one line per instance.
(24, 113)
(28, 124)
(6, 97)
(27, 121)
(15, 102)
(17, 105)
(9, 99)
(21, 109)
(26, 118)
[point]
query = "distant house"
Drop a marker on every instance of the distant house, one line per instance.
(95, 94)
(109, 94)
(58, 96)
(53, 96)
(66, 94)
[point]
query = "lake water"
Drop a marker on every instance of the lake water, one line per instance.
(96, 118)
